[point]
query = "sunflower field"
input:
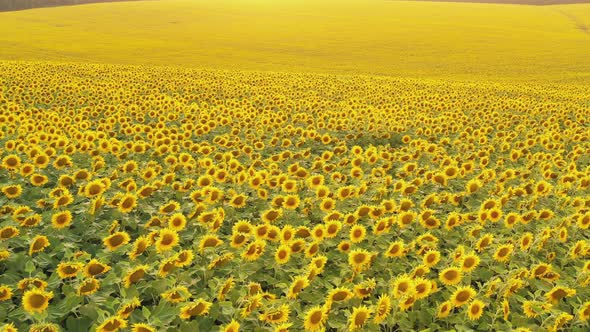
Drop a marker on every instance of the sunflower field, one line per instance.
(139, 198)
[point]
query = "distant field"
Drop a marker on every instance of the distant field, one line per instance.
(459, 40)
(516, 2)
(295, 165)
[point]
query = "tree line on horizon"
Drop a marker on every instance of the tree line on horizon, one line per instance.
(10, 5)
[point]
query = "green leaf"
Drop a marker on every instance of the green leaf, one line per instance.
(81, 324)
(145, 312)
(30, 267)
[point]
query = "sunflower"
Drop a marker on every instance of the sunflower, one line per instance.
(140, 245)
(276, 316)
(220, 261)
(176, 294)
(238, 240)
(64, 200)
(167, 239)
(506, 309)
(473, 185)
(458, 253)
(431, 258)
(540, 270)
(135, 275)
(41, 160)
(532, 309)
(27, 169)
(8, 232)
(177, 222)
(140, 327)
(251, 304)
(5, 293)
(450, 276)
(283, 327)
(44, 327)
(225, 288)
(503, 253)
(11, 162)
(254, 250)
(38, 180)
(406, 302)
(315, 318)
(559, 292)
(36, 300)
(462, 295)
(383, 226)
(127, 203)
(271, 215)
(27, 283)
(420, 271)
(583, 220)
(318, 232)
(88, 286)
(112, 324)
(283, 254)
(513, 285)
(350, 219)
(484, 242)
(475, 310)
(243, 227)
(339, 294)
(312, 249)
(543, 188)
(31, 221)
(382, 309)
(287, 234)
(69, 270)
(422, 287)
(444, 309)
(430, 222)
(359, 317)
(512, 219)
(39, 243)
(359, 259)
(327, 204)
(94, 268)
(184, 258)
(12, 191)
(357, 233)
(299, 283)
(233, 326)
(94, 188)
(469, 262)
(526, 240)
(315, 181)
(82, 174)
(344, 246)
(402, 285)
(578, 248)
(291, 202)
(167, 266)
(9, 327)
(584, 311)
(209, 241)
(199, 307)
(560, 321)
(116, 240)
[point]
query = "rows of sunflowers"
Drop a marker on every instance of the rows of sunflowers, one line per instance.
(163, 199)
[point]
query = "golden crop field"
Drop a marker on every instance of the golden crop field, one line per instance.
(217, 167)
(397, 38)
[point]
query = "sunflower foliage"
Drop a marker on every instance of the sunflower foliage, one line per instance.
(166, 199)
